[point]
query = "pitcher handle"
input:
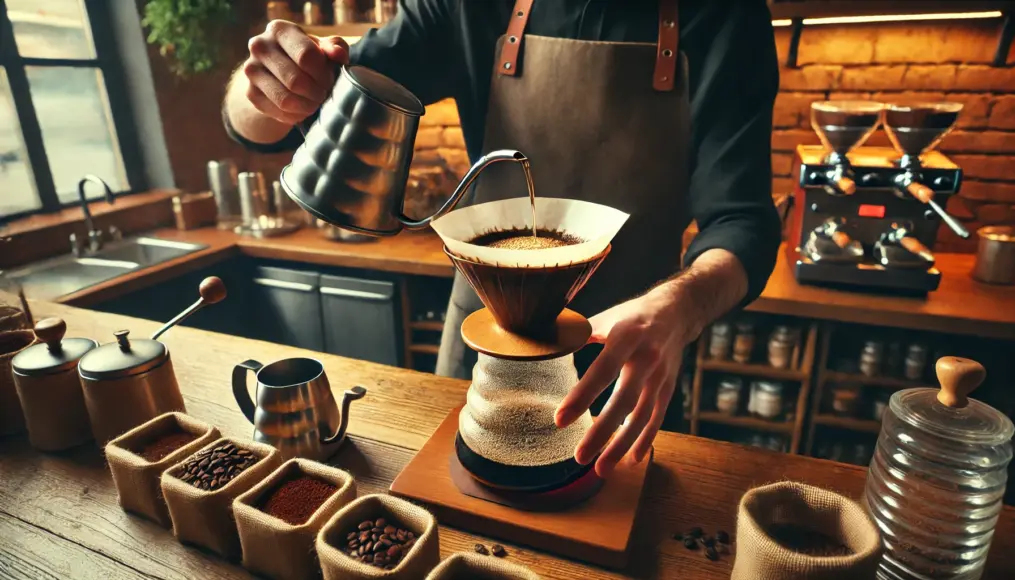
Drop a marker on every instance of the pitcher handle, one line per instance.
(463, 186)
(351, 395)
(240, 387)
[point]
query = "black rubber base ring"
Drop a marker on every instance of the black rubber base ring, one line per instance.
(538, 478)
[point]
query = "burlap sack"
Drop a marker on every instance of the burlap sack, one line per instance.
(205, 518)
(759, 557)
(421, 558)
(467, 566)
(12, 420)
(138, 485)
(274, 548)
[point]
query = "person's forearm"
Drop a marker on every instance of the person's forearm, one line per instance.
(709, 288)
(247, 121)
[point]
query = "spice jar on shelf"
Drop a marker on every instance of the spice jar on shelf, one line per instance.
(312, 15)
(845, 399)
(916, 362)
(720, 341)
(743, 343)
(894, 360)
(765, 399)
(346, 12)
(781, 345)
(879, 405)
(871, 358)
(727, 400)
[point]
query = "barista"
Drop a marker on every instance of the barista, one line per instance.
(662, 111)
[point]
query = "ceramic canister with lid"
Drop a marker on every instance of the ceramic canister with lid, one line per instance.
(126, 383)
(937, 478)
(46, 379)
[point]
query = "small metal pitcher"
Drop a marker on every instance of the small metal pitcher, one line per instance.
(353, 167)
(295, 410)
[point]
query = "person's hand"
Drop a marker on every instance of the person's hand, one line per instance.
(643, 339)
(290, 73)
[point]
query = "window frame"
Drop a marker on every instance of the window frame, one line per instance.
(107, 60)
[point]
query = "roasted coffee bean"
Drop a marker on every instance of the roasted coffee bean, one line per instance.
(678, 536)
(481, 549)
(711, 554)
(707, 541)
(380, 523)
(695, 533)
(364, 526)
(498, 551)
(690, 544)
(378, 543)
(212, 469)
(722, 536)
(389, 530)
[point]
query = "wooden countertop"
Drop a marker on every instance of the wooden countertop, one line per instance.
(59, 511)
(960, 306)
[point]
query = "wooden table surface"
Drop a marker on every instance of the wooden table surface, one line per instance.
(961, 305)
(59, 517)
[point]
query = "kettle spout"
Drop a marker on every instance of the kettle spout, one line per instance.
(348, 397)
(463, 186)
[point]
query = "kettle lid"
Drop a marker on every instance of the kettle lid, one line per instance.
(384, 90)
(56, 355)
(123, 358)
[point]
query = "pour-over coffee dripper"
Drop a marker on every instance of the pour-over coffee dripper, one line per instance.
(507, 438)
(843, 126)
(914, 130)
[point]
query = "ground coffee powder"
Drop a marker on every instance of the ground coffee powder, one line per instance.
(809, 542)
(297, 499)
(157, 449)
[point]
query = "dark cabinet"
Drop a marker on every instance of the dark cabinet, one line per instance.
(360, 318)
(287, 307)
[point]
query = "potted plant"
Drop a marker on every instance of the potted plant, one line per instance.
(187, 31)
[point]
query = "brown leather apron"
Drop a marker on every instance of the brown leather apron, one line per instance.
(605, 122)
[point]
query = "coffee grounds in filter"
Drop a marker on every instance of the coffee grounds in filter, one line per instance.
(213, 468)
(519, 239)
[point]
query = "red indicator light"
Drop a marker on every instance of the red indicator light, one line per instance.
(871, 211)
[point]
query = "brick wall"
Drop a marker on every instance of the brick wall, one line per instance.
(907, 62)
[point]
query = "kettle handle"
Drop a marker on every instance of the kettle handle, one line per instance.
(240, 387)
(348, 397)
(463, 186)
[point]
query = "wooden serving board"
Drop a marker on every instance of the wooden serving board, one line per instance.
(597, 531)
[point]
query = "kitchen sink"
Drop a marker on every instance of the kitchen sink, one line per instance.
(64, 275)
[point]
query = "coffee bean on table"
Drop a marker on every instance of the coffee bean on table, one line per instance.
(678, 536)
(499, 551)
(711, 554)
(211, 469)
(690, 544)
(722, 536)
(707, 541)
(481, 549)
(695, 532)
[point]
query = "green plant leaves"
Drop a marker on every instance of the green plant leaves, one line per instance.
(186, 31)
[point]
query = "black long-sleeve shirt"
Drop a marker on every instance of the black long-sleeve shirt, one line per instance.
(446, 49)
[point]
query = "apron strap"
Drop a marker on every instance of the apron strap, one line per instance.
(515, 31)
(666, 46)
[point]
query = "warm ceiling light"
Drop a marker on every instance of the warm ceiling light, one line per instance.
(892, 18)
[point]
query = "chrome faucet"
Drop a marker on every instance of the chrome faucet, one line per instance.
(94, 235)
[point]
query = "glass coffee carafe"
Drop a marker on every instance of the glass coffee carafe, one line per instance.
(937, 479)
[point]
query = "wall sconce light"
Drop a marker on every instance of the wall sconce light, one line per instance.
(797, 24)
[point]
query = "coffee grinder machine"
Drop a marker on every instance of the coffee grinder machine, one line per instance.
(499, 465)
(867, 218)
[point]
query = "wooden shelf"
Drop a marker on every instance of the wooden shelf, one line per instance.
(746, 422)
(864, 425)
(424, 348)
(434, 325)
(890, 382)
(760, 370)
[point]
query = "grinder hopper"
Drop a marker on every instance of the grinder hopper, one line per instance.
(915, 129)
(843, 126)
(526, 291)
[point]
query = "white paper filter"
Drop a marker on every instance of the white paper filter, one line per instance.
(596, 224)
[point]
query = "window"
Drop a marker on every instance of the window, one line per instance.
(63, 105)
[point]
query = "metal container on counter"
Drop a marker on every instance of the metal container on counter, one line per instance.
(995, 255)
(937, 479)
(131, 381)
(222, 180)
(46, 379)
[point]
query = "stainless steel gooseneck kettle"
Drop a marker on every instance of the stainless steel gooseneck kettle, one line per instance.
(352, 170)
